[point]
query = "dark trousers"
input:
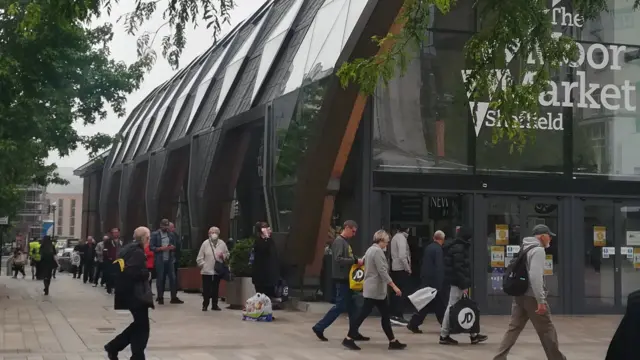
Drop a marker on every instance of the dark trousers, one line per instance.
(136, 335)
(88, 271)
(398, 303)
(97, 275)
(367, 307)
(210, 286)
(109, 272)
(437, 306)
(18, 269)
(46, 276)
(163, 271)
(80, 268)
(152, 271)
(269, 290)
(344, 303)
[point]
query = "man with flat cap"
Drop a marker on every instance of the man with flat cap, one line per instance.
(533, 304)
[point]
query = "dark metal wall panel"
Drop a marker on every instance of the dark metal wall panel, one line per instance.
(104, 190)
(156, 166)
(125, 186)
(136, 204)
(112, 213)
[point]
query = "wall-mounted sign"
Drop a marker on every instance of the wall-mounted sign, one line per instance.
(502, 234)
(627, 251)
(633, 238)
(497, 256)
(407, 209)
(548, 265)
(512, 250)
(599, 236)
(636, 258)
(608, 251)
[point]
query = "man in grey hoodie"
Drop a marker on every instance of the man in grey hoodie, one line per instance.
(400, 273)
(533, 304)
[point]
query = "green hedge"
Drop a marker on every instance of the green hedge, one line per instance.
(240, 257)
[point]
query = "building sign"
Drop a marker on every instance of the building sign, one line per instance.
(407, 209)
(564, 94)
(441, 207)
(4, 220)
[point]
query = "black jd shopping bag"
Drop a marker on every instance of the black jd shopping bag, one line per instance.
(464, 317)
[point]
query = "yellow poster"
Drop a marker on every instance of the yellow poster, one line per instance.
(548, 265)
(636, 258)
(599, 236)
(502, 234)
(497, 256)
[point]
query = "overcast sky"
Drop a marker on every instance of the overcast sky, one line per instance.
(123, 48)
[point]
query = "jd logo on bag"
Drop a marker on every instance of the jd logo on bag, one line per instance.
(464, 317)
(356, 277)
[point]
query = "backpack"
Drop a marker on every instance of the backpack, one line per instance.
(515, 281)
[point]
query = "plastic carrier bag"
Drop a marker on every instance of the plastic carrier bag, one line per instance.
(258, 308)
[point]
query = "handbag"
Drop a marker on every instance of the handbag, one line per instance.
(356, 277)
(464, 317)
(142, 294)
(422, 297)
(221, 269)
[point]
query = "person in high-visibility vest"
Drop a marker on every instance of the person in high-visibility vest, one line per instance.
(34, 254)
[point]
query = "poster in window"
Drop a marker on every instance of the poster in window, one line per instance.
(502, 234)
(599, 236)
(497, 256)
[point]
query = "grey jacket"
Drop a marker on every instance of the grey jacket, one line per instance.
(376, 274)
(342, 259)
(535, 266)
(99, 251)
(400, 254)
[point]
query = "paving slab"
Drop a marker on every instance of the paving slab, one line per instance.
(76, 320)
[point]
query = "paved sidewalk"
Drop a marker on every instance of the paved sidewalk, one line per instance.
(76, 320)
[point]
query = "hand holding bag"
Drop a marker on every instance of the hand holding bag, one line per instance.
(464, 317)
(422, 297)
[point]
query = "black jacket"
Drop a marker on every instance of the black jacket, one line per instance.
(628, 332)
(457, 267)
(266, 268)
(88, 252)
(432, 271)
(132, 290)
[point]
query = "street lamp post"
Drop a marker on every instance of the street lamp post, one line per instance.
(52, 211)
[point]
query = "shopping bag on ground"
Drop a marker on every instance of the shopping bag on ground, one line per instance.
(258, 308)
(464, 317)
(356, 277)
(422, 297)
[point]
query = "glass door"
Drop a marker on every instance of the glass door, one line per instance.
(628, 255)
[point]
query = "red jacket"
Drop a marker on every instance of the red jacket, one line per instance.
(149, 255)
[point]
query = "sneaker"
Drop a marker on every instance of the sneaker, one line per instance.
(478, 339)
(397, 345)
(111, 355)
(399, 321)
(216, 308)
(95, 285)
(319, 334)
(361, 337)
(350, 344)
(414, 329)
(447, 341)
(176, 301)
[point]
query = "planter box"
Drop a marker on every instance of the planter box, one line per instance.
(238, 291)
(190, 279)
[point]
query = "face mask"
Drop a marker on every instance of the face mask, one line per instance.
(213, 237)
(265, 232)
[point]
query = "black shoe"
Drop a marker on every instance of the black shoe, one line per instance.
(46, 291)
(204, 308)
(216, 308)
(350, 344)
(319, 334)
(111, 355)
(176, 301)
(414, 329)
(447, 341)
(479, 338)
(397, 345)
(399, 321)
(360, 337)
(160, 301)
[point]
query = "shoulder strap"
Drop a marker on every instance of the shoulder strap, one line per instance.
(213, 251)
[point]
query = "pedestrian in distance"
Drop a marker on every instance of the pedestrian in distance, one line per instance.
(89, 253)
(150, 263)
(265, 267)
(457, 268)
(99, 264)
(177, 252)
(432, 275)
(48, 261)
(34, 255)
(18, 261)
(532, 305)
(133, 293)
(164, 244)
(110, 253)
(212, 250)
(376, 282)
(79, 268)
(400, 273)
(342, 260)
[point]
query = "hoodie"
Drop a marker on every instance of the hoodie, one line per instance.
(400, 254)
(535, 266)
(457, 267)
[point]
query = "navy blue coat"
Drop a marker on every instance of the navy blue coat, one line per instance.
(156, 242)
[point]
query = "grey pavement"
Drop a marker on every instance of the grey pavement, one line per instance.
(76, 320)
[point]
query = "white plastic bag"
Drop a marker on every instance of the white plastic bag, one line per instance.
(258, 308)
(422, 297)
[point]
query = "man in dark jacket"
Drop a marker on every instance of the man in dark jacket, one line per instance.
(457, 270)
(628, 332)
(133, 293)
(89, 255)
(109, 255)
(432, 275)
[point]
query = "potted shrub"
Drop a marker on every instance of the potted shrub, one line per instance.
(240, 288)
(189, 272)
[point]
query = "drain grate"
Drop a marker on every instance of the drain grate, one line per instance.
(106, 329)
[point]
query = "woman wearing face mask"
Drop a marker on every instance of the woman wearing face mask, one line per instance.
(212, 250)
(265, 261)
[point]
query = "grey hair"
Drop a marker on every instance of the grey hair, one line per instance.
(439, 235)
(380, 236)
(214, 229)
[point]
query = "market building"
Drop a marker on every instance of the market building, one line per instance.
(259, 128)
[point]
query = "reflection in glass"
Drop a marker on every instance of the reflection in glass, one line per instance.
(296, 70)
(326, 40)
(355, 11)
(284, 196)
(598, 271)
(630, 264)
(174, 115)
(617, 24)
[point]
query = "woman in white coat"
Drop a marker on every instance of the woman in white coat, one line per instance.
(211, 251)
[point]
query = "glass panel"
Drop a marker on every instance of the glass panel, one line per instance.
(161, 113)
(296, 71)
(129, 138)
(630, 263)
(215, 66)
(355, 11)
(421, 120)
(174, 115)
(202, 89)
(599, 278)
(461, 17)
(145, 125)
(503, 234)
(284, 196)
(321, 63)
(246, 46)
(617, 25)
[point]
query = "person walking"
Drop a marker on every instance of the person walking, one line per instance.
(163, 244)
(133, 293)
(150, 264)
(342, 260)
(457, 270)
(34, 255)
(432, 275)
(265, 265)
(211, 251)
(109, 255)
(400, 273)
(374, 291)
(79, 249)
(99, 265)
(533, 304)
(89, 255)
(48, 261)
(18, 262)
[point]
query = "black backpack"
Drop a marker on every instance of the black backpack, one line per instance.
(516, 279)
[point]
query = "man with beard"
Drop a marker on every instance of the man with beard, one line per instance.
(164, 244)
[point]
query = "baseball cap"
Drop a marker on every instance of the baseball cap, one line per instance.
(542, 229)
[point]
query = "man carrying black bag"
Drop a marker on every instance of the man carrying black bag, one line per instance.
(462, 314)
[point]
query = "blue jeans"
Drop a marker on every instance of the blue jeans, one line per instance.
(344, 303)
(165, 269)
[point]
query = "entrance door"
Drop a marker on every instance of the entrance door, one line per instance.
(609, 268)
(505, 222)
